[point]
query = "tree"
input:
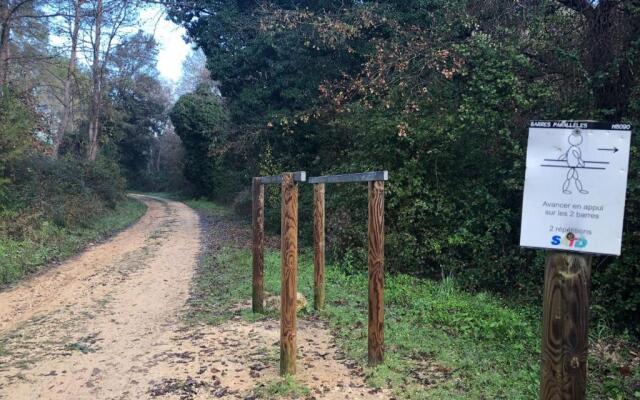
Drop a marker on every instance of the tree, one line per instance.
(23, 39)
(608, 51)
(166, 163)
(10, 11)
(107, 22)
(200, 121)
(16, 124)
(194, 73)
(136, 113)
(74, 22)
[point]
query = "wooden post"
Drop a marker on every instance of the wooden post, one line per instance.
(288, 277)
(257, 191)
(565, 318)
(376, 272)
(318, 246)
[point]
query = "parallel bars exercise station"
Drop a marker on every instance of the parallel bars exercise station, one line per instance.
(289, 256)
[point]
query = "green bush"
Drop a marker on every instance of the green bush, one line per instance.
(16, 124)
(200, 120)
(53, 207)
(68, 192)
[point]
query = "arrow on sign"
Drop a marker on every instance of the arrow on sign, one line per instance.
(615, 149)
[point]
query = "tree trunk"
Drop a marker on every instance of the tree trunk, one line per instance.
(5, 30)
(158, 158)
(96, 95)
(66, 101)
(609, 32)
(602, 42)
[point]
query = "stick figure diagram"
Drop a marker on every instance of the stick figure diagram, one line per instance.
(572, 159)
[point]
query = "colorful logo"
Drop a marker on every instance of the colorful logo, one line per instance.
(570, 240)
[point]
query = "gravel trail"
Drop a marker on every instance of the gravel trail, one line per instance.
(108, 324)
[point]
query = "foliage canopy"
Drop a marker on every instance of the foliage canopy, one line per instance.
(439, 93)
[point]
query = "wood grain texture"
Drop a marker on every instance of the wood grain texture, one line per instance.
(318, 247)
(376, 273)
(288, 277)
(565, 320)
(257, 191)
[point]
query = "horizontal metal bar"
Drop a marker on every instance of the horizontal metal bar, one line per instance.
(359, 177)
(299, 176)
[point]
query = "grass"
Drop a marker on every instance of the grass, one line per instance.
(441, 341)
(209, 207)
(286, 386)
(221, 285)
(53, 243)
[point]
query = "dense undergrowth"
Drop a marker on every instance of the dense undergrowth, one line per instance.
(50, 208)
(441, 341)
(51, 242)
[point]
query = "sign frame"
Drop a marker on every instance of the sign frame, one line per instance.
(565, 161)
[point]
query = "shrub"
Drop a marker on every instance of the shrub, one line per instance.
(50, 209)
(69, 192)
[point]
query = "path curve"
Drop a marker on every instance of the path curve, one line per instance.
(99, 324)
(109, 324)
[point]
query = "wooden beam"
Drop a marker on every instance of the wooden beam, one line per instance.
(288, 277)
(376, 273)
(359, 177)
(565, 314)
(318, 247)
(300, 176)
(257, 191)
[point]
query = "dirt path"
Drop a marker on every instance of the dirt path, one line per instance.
(108, 324)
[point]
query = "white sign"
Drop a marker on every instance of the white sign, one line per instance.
(575, 186)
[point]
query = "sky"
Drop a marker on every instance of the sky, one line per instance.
(173, 49)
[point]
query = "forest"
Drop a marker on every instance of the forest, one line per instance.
(83, 117)
(439, 93)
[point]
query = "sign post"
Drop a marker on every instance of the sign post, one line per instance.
(573, 204)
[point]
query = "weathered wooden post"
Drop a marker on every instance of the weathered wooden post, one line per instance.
(376, 272)
(257, 191)
(318, 247)
(375, 180)
(573, 205)
(288, 292)
(289, 255)
(565, 321)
